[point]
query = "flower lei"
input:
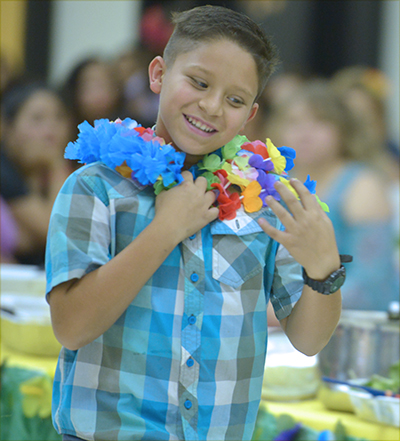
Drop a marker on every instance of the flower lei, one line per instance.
(242, 172)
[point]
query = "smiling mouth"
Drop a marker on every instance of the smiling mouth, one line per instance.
(199, 125)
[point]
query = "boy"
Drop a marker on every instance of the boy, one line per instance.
(160, 306)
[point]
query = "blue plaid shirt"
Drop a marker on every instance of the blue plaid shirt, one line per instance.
(185, 361)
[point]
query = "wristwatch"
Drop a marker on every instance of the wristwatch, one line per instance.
(333, 282)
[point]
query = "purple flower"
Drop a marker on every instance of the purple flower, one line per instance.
(258, 162)
(289, 435)
(267, 181)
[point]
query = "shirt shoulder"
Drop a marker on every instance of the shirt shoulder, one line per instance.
(97, 179)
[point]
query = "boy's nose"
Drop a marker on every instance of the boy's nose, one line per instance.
(211, 103)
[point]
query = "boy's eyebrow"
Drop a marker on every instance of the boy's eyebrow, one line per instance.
(208, 72)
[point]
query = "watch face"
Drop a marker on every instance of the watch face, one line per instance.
(337, 284)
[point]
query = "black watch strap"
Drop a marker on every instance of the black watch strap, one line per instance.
(333, 282)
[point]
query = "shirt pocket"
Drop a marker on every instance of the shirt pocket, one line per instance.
(240, 248)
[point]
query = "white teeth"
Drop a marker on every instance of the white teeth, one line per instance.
(199, 125)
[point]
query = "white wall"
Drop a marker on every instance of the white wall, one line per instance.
(389, 62)
(89, 27)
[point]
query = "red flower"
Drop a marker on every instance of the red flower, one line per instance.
(227, 203)
(257, 147)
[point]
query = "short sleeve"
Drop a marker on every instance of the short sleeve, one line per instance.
(287, 284)
(79, 236)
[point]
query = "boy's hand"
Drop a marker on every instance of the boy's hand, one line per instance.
(187, 207)
(309, 235)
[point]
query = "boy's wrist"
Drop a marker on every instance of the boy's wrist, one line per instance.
(331, 282)
(322, 272)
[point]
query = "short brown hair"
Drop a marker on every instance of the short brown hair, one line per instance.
(207, 23)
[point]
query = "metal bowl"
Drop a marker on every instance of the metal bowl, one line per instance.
(364, 343)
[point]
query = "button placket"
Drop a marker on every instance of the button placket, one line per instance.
(194, 285)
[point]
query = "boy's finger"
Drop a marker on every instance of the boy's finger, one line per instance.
(290, 199)
(187, 176)
(282, 214)
(211, 196)
(308, 200)
(271, 231)
(201, 181)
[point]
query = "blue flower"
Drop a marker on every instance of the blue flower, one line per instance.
(289, 154)
(121, 147)
(310, 184)
(174, 168)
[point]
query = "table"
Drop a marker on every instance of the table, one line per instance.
(26, 388)
(314, 414)
(311, 413)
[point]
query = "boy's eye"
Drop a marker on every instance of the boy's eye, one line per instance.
(235, 100)
(199, 83)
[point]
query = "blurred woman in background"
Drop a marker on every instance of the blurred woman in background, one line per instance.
(35, 131)
(92, 91)
(352, 179)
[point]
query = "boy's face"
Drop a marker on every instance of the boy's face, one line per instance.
(206, 97)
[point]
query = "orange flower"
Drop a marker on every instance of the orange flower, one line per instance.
(251, 200)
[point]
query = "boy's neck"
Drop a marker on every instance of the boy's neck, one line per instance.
(191, 160)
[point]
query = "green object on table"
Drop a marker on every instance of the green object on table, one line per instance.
(25, 406)
(390, 383)
(269, 428)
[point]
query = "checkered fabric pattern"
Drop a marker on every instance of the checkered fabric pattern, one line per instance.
(185, 361)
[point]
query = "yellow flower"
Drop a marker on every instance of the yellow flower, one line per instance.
(233, 178)
(278, 160)
(37, 393)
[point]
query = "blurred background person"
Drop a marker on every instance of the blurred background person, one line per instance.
(279, 86)
(331, 147)
(9, 234)
(132, 65)
(92, 91)
(35, 130)
(366, 90)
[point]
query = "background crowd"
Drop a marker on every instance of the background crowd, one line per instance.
(337, 124)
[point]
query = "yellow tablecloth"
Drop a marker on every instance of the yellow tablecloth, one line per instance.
(313, 413)
(14, 358)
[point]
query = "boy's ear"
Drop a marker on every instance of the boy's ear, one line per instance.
(252, 114)
(156, 72)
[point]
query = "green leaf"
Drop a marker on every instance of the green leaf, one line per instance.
(211, 163)
(211, 179)
(323, 205)
(340, 432)
(242, 162)
(159, 187)
(230, 149)
(285, 422)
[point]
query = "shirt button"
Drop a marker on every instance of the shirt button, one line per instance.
(188, 404)
(194, 277)
(190, 362)
(193, 236)
(192, 320)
